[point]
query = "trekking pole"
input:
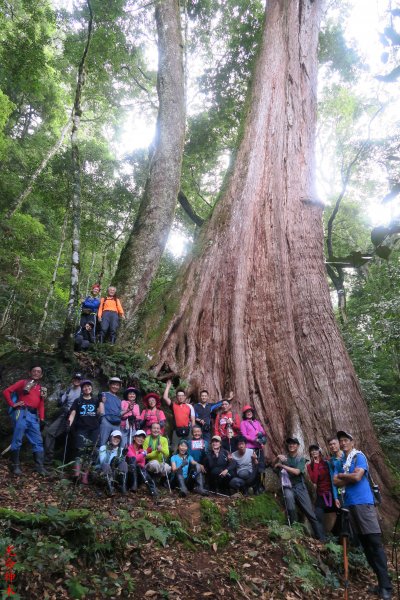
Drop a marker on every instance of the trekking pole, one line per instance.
(166, 475)
(65, 451)
(345, 533)
(218, 494)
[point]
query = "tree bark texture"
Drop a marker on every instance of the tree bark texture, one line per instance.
(142, 253)
(253, 311)
(76, 188)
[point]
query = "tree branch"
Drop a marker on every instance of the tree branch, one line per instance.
(187, 207)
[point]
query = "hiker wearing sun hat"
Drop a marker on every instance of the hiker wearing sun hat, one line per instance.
(130, 414)
(90, 306)
(152, 413)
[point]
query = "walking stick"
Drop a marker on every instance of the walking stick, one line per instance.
(65, 451)
(345, 533)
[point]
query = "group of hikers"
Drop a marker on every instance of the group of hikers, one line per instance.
(213, 448)
(99, 318)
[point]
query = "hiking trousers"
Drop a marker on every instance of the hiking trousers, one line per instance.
(298, 493)
(26, 423)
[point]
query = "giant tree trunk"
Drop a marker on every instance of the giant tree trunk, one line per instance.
(141, 256)
(254, 312)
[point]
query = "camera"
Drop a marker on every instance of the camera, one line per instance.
(261, 438)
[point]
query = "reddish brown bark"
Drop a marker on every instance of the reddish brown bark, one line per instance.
(254, 312)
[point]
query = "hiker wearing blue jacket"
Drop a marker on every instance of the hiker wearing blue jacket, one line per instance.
(89, 308)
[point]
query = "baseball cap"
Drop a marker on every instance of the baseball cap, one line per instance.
(115, 433)
(344, 434)
(140, 432)
(77, 376)
(292, 440)
(216, 437)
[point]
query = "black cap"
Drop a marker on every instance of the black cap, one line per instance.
(344, 434)
(77, 376)
(314, 447)
(292, 440)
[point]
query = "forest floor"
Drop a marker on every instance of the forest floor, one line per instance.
(73, 541)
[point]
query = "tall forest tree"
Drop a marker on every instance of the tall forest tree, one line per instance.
(251, 310)
(141, 255)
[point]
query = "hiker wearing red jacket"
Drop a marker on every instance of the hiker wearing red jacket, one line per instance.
(318, 472)
(27, 413)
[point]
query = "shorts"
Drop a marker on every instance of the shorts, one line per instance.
(364, 519)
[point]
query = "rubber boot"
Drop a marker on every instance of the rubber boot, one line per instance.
(112, 339)
(15, 470)
(110, 485)
(123, 483)
(183, 491)
(133, 485)
(101, 337)
(292, 515)
(76, 469)
(85, 477)
(150, 483)
(39, 468)
(200, 489)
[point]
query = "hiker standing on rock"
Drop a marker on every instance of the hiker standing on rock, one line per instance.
(26, 400)
(109, 314)
(359, 500)
(84, 418)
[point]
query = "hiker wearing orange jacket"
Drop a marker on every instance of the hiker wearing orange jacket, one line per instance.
(110, 311)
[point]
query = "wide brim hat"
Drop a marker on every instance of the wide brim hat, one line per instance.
(152, 395)
(217, 438)
(129, 390)
(115, 380)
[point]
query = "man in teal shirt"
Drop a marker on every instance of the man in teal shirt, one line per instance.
(292, 468)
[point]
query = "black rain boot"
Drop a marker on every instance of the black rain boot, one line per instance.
(39, 458)
(200, 489)
(112, 339)
(150, 483)
(15, 470)
(133, 486)
(292, 515)
(110, 485)
(123, 483)
(183, 491)
(101, 337)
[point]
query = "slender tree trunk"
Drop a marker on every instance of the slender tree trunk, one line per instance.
(253, 310)
(141, 256)
(53, 281)
(76, 192)
(8, 308)
(24, 195)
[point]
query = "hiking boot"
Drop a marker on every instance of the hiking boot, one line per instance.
(150, 483)
(110, 486)
(39, 467)
(14, 467)
(385, 594)
(123, 484)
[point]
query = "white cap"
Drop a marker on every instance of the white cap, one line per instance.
(115, 433)
(140, 432)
